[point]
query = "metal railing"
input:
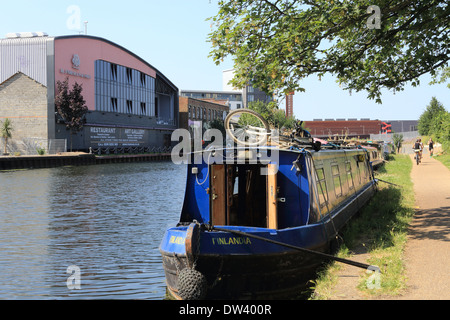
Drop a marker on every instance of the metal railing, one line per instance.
(129, 150)
(33, 146)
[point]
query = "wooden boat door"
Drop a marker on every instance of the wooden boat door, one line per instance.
(272, 197)
(217, 195)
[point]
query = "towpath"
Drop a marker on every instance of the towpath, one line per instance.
(427, 253)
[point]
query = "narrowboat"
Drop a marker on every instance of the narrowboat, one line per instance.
(244, 218)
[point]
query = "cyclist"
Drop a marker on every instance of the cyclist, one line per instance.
(421, 149)
(417, 150)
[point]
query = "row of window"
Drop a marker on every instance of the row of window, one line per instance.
(213, 95)
(124, 90)
(357, 176)
(202, 113)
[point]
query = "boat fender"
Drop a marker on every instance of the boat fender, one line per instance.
(192, 284)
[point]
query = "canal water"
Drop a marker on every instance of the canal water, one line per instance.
(87, 232)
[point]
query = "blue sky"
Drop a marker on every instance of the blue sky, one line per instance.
(171, 36)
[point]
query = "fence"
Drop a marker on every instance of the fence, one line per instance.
(33, 146)
(407, 136)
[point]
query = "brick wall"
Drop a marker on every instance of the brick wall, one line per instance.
(209, 110)
(24, 102)
(362, 128)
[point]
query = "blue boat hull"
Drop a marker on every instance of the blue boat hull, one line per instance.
(237, 267)
(304, 205)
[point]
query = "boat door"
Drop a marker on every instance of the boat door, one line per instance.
(218, 195)
(272, 197)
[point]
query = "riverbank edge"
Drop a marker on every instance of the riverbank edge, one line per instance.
(74, 159)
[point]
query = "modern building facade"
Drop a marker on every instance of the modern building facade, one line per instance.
(249, 93)
(130, 103)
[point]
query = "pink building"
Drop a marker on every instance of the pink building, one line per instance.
(131, 104)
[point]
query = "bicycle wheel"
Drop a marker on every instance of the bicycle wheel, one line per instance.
(247, 127)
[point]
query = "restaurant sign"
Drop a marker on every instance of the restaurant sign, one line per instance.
(116, 137)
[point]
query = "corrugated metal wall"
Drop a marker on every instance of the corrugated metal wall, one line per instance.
(27, 55)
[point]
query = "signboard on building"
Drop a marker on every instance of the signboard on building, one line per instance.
(106, 137)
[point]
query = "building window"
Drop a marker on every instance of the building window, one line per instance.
(129, 106)
(143, 79)
(143, 108)
(114, 71)
(129, 75)
(114, 104)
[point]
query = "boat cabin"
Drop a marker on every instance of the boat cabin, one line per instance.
(297, 189)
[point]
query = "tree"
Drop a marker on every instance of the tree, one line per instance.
(426, 119)
(71, 106)
(6, 130)
(398, 140)
(276, 44)
(274, 116)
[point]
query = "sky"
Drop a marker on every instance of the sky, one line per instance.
(171, 35)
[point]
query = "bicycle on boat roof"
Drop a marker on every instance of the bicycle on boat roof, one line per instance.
(248, 128)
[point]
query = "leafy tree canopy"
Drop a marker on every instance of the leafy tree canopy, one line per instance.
(275, 44)
(71, 105)
(426, 119)
(274, 116)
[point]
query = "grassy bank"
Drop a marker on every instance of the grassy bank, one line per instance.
(381, 227)
(445, 159)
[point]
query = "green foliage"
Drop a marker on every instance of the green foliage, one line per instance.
(435, 122)
(442, 76)
(398, 140)
(276, 44)
(6, 131)
(40, 151)
(274, 116)
(71, 106)
(426, 119)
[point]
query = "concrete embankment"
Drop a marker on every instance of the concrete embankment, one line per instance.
(74, 159)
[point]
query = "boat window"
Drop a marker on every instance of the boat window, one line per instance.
(322, 189)
(336, 180)
(348, 169)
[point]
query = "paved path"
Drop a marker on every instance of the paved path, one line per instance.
(427, 253)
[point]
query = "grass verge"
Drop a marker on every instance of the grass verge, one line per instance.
(381, 227)
(445, 159)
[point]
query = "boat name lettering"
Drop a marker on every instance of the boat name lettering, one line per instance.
(231, 241)
(176, 240)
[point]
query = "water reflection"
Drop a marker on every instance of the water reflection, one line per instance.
(108, 220)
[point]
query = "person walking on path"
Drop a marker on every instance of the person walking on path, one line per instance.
(430, 147)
